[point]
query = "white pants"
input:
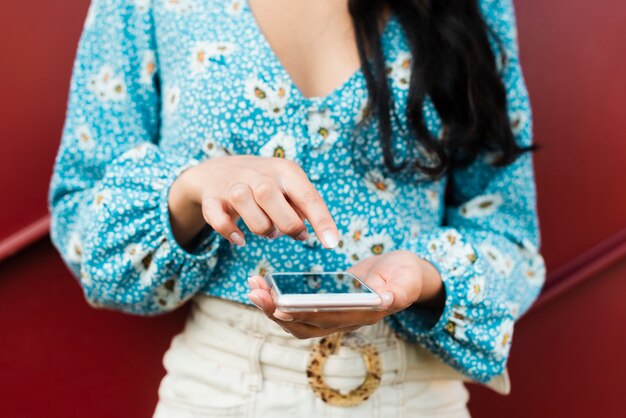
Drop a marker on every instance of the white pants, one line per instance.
(232, 361)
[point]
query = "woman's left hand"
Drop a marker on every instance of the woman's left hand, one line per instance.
(401, 277)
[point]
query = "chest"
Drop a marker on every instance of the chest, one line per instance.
(240, 76)
(313, 41)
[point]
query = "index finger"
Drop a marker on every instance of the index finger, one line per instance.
(309, 201)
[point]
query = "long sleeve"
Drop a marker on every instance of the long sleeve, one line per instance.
(108, 192)
(487, 248)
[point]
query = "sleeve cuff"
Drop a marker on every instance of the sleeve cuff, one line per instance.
(454, 260)
(422, 322)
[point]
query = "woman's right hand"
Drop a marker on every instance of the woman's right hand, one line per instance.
(272, 195)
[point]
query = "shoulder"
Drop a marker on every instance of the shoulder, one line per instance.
(499, 15)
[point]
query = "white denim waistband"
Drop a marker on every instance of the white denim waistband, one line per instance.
(243, 337)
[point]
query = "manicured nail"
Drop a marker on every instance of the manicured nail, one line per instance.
(256, 300)
(237, 239)
(282, 316)
(253, 284)
(303, 235)
(330, 238)
(387, 299)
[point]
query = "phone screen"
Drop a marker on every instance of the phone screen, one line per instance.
(314, 283)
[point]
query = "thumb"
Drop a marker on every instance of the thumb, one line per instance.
(378, 284)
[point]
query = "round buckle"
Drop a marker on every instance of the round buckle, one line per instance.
(328, 346)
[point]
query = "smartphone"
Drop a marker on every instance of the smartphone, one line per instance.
(321, 291)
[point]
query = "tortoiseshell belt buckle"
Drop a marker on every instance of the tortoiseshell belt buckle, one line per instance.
(330, 345)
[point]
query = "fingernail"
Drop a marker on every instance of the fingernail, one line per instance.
(253, 284)
(237, 239)
(303, 235)
(275, 234)
(330, 238)
(387, 298)
(282, 316)
(256, 300)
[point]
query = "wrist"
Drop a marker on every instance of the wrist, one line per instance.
(433, 290)
(185, 209)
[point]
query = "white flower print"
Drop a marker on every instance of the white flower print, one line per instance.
(480, 206)
(357, 229)
(385, 188)
(280, 145)
(212, 149)
(202, 53)
(212, 261)
(179, 6)
(316, 268)
(355, 250)
(476, 291)
(158, 183)
(519, 119)
(148, 266)
(503, 264)
(142, 261)
(171, 99)
(414, 229)
(84, 139)
(312, 240)
(378, 243)
(321, 125)
(451, 252)
(91, 15)
(107, 86)
(85, 278)
(271, 100)
(262, 267)
(102, 197)
(432, 197)
(148, 67)
(74, 250)
(533, 265)
(513, 308)
(142, 5)
(134, 253)
(234, 8)
(136, 153)
(363, 112)
(400, 70)
(168, 295)
(457, 323)
(117, 70)
(504, 338)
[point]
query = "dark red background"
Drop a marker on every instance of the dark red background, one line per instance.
(60, 357)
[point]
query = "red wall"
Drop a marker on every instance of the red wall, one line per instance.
(37, 45)
(60, 357)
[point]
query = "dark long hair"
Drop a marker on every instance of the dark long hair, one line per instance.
(453, 64)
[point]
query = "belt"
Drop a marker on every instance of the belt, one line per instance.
(243, 338)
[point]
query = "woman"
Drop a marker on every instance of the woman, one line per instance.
(202, 137)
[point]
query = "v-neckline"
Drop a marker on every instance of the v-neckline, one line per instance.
(269, 51)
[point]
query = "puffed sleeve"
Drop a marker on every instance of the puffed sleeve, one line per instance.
(109, 188)
(487, 249)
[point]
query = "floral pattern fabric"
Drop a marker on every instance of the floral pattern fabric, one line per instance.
(159, 86)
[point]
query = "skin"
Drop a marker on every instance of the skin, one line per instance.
(401, 277)
(274, 196)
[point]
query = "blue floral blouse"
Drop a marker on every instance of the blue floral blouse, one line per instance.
(161, 85)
